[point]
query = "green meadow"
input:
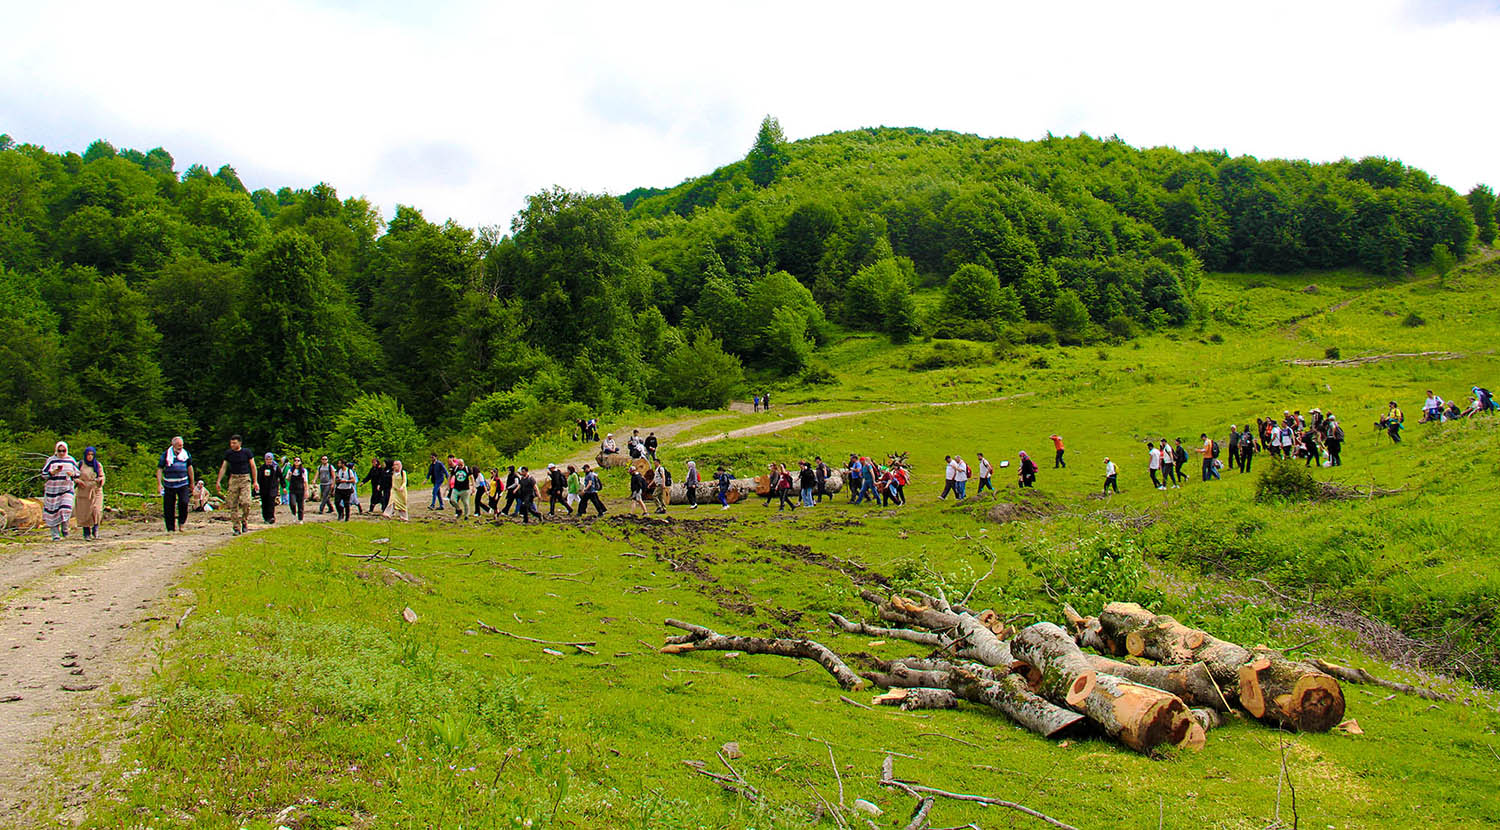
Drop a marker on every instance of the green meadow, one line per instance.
(296, 683)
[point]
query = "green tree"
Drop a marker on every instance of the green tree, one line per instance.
(787, 343)
(902, 320)
(36, 389)
(972, 293)
(1482, 203)
(700, 374)
(195, 305)
(768, 155)
(1070, 318)
(111, 349)
(1443, 260)
(722, 310)
(865, 293)
(300, 350)
(375, 426)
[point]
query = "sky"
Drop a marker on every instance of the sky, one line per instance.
(462, 109)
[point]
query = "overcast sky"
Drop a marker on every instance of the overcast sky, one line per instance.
(463, 108)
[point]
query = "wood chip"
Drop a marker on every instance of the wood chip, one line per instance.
(1350, 727)
(731, 750)
(408, 614)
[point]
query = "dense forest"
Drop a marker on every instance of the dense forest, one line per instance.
(139, 302)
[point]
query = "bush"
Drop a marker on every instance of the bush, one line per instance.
(700, 374)
(375, 425)
(959, 328)
(1105, 567)
(1413, 320)
(817, 374)
(946, 353)
(1284, 481)
(1331, 353)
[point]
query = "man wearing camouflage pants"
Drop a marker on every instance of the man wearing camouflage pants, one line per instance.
(239, 464)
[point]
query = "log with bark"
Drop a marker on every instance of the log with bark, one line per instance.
(1053, 664)
(918, 698)
(1127, 628)
(1006, 693)
(1141, 717)
(1193, 683)
(1290, 692)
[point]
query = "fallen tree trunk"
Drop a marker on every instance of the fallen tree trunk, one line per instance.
(699, 638)
(1193, 683)
(1006, 693)
(1140, 717)
(1054, 666)
(1290, 693)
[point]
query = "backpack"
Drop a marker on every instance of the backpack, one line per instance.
(1337, 433)
(668, 475)
(968, 473)
(1216, 449)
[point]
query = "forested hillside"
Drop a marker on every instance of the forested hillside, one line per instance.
(139, 301)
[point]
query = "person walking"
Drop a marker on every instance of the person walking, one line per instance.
(807, 480)
(511, 480)
(526, 497)
(479, 486)
(1111, 477)
(1335, 442)
(460, 485)
(1392, 422)
(1310, 448)
(690, 481)
(436, 475)
(783, 488)
(986, 474)
(1057, 444)
(239, 465)
(867, 480)
(820, 471)
(590, 495)
(637, 491)
(661, 486)
(1028, 470)
(325, 474)
(961, 474)
(344, 482)
(376, 479)
(651, 446)
(557, 491)
(948, 471)
(1180, 455)
(723, 479)
(397, 501)
(1207, 451)
(59, 475)
(268, 484)
(89, 494)
(575, 489)
(296, 487)
(175, 481)
(856, 479)
(1234, 446)
(1154, 465)
(1168, 464)
(1247, 449)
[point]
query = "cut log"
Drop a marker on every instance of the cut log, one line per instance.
(1087, 631)
(1056, 669)
(703, 639)
(1290, 693)
(1130, 629)
(1140, 717)
(611, 460)
(1193, 683)
(918, 698)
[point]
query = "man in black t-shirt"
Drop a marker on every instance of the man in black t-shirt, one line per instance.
(557, 490)
(239, 465)
(526, 496)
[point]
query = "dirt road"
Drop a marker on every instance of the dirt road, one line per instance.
(73, 617)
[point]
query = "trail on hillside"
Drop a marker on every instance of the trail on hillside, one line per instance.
(789, 423)
(73, 620)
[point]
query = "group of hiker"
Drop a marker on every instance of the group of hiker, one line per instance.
(470, 493)
(1437, 410)
(635, 445)
(760, 402)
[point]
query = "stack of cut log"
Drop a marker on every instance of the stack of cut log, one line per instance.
(1041, 678)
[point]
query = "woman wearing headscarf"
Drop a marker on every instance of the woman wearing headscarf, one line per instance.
(89, 502)
(1028, 470)
(59, 473)
(397, 505)
(344, 484)
(268, 482)
(295, 481)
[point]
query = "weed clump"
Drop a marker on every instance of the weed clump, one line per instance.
(948, 353)
(1412, 320)
(1279, 481)
(1105, 567)
(1331, 353)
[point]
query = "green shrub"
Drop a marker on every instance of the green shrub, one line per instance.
(1285, 481)
(375, 425)
(1107, 566)
(1413, 320)
(818, 373)
(947, 353)
(1332, 352)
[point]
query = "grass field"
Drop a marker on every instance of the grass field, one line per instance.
(297, 683)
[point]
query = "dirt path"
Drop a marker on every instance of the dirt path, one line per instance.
(789, 423)
(72, 620)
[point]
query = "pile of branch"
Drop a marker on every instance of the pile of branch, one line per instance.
(1374, 358)
(1151, 682)
(1334, 491)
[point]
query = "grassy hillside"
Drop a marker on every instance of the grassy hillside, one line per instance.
(296, 682)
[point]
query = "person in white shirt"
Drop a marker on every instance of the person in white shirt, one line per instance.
(986, 471)
(1153, 465)
(947, 477)
(960, 476)
(1111, 476)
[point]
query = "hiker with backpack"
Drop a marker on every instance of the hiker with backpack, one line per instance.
(526, 497)
(1334, 442)
(723, 478)
(1392, 423)
(1234, 447)
(1153, 465)
(986, 472)
(1247, 449)
(961, 474)
(590, 494)
(1210, 451)
(557, 491)
(661, 486)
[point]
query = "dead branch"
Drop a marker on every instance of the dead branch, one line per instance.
(581, 645)
(704, 639)
(926, 638)
(889, 779)
(1354, 675)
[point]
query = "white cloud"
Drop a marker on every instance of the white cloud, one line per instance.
(462, 109)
